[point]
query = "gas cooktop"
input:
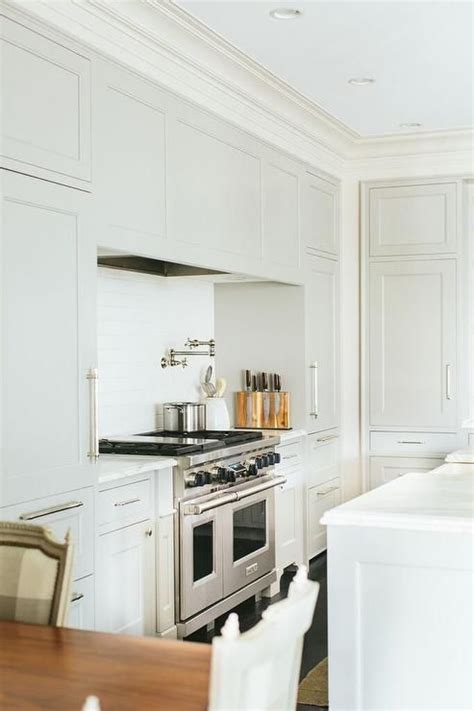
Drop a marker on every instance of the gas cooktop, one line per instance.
(176, 444)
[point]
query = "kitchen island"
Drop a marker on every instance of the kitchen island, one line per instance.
(401, 594)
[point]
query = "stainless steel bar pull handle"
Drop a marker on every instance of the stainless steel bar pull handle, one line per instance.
(410, 441)
(136, 500)
(448, 382)
(93, 377)
(196, 509)
(327, 438)
(76, 596)
(51, 510)
(314, 371)
(320, 494)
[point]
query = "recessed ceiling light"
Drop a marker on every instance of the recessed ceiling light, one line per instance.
(361, 81)
(413, 124)
(285, 13)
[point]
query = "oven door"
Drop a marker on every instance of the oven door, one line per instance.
(249, 537)
(201, 570)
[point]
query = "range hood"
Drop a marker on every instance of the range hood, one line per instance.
(158, 267)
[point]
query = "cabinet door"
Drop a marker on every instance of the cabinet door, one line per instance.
(413, 344)
(48, 331)
(129, 160)
(281, 229)
(413, 219)
(45, 106)
(322, 344)
(165, 573)
(125, 580)
(385, 469)
(81, 609)
(320, 215)
(288, 520)
(320, 499)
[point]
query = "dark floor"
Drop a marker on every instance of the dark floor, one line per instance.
(316, 640)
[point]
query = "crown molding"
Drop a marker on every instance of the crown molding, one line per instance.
(168, 45)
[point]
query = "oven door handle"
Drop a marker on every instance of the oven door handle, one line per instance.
(277, 481)
(196, 509)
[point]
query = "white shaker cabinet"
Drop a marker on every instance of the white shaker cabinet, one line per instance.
(385, 469)
(320, 499)
(281, 210)
(320, 215)
(46, 106)
(81, 609)
(125, 580)
(48, 271)
(322, 343)
(413, 219)
(413, 343)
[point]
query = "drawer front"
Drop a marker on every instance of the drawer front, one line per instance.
(385, 469)
(413, 442)
(320, 499)
(323, 458)
(125, 505)
(72, 511)
(81, 609)
(291, 456)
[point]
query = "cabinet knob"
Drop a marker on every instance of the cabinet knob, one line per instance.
(149, 532)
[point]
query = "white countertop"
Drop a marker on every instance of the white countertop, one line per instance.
(285, 435)
(463, 456)
(110, 467)
(441, 500)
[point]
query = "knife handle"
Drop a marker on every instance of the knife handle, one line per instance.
(248, 380)
(264, 382)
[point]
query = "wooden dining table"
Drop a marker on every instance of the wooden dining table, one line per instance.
(55, 668)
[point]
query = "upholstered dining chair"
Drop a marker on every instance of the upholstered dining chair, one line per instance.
(35, 575)
(259, 669)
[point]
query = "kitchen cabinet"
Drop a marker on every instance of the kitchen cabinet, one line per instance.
(323, 461)
(320, 499)
(48, 331)
(81, 609)
(281, 211)
(46, 107)
(288, 517)
(320, 210)
(130, 159)
(322, 343)
(413, 219)
(385, 469)
(125, 580)
(413, 343)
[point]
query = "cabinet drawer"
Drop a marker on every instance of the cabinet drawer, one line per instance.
(413, 442)
(72, 511)
(125, 504)
(291, 456)
(81, 609)
(323, 457)
(385, 469)
(320, 499)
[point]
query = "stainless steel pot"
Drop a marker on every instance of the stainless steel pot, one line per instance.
(184, 416)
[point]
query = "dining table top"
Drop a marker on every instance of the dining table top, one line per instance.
(51, 668)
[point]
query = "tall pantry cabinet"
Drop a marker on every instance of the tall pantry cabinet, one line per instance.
(413, 280)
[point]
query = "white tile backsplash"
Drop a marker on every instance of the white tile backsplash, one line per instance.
(139, 317)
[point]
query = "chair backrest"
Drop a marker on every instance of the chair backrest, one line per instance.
(259, 669)
(35, 575)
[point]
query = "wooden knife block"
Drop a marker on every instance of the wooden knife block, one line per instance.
(269, 410)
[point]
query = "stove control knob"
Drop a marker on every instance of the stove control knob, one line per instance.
(252, 470)
(259, 461)
(230, 476)
(202, 478)
(271, 458)
(265, 460)
(207, 477)
(277, 457)
(222, 474)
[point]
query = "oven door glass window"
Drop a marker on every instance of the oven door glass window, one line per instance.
(203, 550)
(249, 529)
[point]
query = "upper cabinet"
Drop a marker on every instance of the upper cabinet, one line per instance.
(130, 164)
(320, 211)
(214, 187)
(413, 219)
(413, 343)
(281, 213)
(46, 107)
(48, 301)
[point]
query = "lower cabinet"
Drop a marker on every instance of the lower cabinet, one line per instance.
(385, 469)
(320, 499)
(81, 610)
(125, 580)
(288, 517)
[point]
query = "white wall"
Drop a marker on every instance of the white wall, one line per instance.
(139, 317)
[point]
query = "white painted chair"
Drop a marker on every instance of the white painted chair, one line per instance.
(259, 669)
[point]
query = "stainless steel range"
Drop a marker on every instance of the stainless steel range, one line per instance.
(225, 522)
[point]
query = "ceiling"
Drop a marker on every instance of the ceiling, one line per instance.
(420, 54)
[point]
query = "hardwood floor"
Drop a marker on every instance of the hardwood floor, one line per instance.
(316, 639)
